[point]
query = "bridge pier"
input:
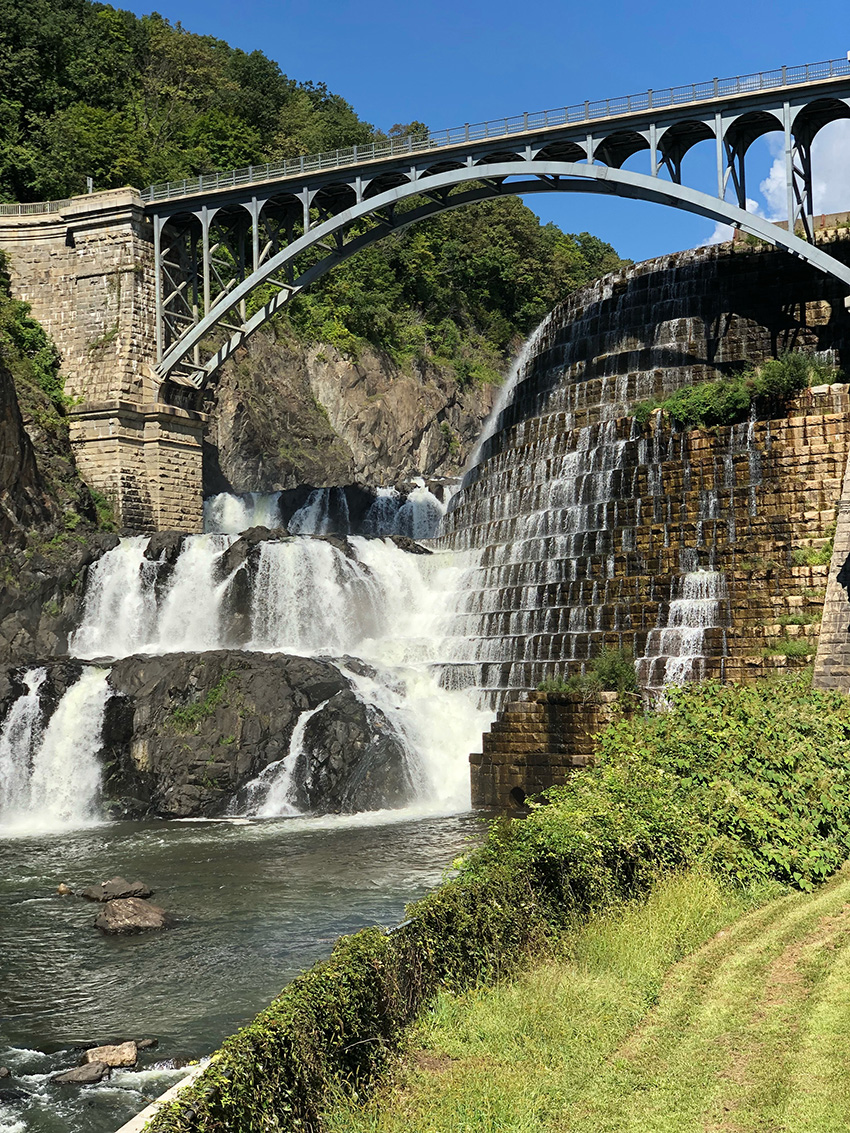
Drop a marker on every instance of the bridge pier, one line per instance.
(86, 267)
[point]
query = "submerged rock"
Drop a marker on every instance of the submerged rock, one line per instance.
(85, 1075)
(129, 915)
(119, 1054)
(116, 888)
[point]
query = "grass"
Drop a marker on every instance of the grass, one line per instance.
(692, 1012)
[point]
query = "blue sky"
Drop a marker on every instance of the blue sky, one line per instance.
(446, 63)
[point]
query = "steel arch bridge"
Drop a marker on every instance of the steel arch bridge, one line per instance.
(233, 249)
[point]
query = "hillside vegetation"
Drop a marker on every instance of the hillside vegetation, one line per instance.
(88, 90)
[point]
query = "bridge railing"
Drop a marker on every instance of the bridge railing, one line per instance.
(34, 208)
(480, 131)
(505, 127)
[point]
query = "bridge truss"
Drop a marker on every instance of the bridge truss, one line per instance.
(233, 249)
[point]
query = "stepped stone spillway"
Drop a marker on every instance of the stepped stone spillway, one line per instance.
(584, 530)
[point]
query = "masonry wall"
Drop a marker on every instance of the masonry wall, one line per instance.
(86, 269)
(87, 272)
(536, 743)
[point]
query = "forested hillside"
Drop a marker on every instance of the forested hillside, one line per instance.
(87, 90)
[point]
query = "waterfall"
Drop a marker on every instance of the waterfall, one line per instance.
(20, 734)
(420, 515)
(127, 609)
(368, 600)
(50, 779)
(678, 651)
(229, 514)
(325, 513)
(269, 795)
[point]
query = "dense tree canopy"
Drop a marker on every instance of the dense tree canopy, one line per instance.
(87, 90)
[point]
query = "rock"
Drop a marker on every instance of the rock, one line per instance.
(158, 764)
(410, 545)
(351, 760)
(85, 1075)
(128, 915)
(147, 1044)
(64, 890)
(368, 421)
(11, 1094)
(122, 1054)
(5, 1072)
(165, 546)
(115, 889)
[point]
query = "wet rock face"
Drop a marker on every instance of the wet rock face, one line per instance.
(41, 598)
(351, 761)
(287, 415)
(123, 917)
(185, 733)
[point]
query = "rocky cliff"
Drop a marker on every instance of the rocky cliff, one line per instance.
(287, 414)
(23, 499)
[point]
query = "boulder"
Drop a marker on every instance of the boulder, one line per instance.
(147, 1044)
(122, 1054)
(64, 890)
(351, 760)
(115, 889)
(128, 915)
(85, 1075)
(404, 543)
(5, 1072)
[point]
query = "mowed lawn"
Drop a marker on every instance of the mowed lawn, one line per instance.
(688, 1014)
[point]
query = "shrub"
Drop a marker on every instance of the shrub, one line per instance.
(612, 670)
(728, 401)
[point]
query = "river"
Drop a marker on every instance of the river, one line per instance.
(255, 902)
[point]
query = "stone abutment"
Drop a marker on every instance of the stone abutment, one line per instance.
(86, 270)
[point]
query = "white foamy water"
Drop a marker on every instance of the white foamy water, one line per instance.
(377, 603)
(230, 514)
(270, 794)
(677, 652)
(51, 779)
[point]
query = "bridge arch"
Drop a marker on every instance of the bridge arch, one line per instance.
(475, 183)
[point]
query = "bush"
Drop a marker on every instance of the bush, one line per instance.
(728, 401)
(613, 670)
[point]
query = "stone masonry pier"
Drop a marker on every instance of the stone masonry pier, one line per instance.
(86, 269)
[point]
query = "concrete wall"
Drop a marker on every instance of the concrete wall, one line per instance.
(86, 269)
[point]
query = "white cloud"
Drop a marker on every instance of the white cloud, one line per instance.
(830, 173)
(723, 232)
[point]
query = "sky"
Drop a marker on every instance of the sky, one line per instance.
(448, 62)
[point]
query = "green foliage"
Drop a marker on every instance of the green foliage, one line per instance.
(86, 90)
(730, 400)
(752, 782)
(613, 670)
(462, 288)
(189, 716)
(760, 771)
(25, 348)
(89, 91)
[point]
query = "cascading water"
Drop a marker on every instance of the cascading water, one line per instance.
(309, 596)
(50, 777)
(229, 514)
(270, 794)
(678, 652)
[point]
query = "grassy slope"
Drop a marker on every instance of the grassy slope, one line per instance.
(749, 1032)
